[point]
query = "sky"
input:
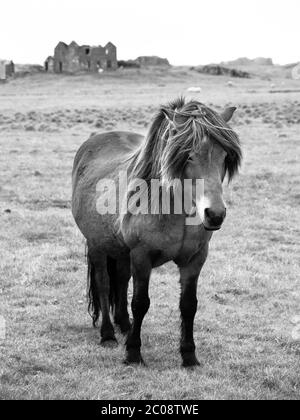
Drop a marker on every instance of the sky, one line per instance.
(187, 32)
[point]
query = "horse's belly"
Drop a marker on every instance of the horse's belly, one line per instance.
(100, 230)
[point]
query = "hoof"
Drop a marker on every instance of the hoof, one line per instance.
(109, 343)
(190, 360)
(133, 357)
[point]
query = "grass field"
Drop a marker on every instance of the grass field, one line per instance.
(247, 328)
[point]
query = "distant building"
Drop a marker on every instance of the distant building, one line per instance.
(144, 61)
(75, 58)
(49, 64)
(7, 69)
(150, 61)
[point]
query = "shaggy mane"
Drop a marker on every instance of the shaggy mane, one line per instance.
(176, 131)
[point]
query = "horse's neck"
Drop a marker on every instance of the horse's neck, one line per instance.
(147, 158)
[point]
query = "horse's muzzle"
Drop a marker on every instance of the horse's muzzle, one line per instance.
(214, 219)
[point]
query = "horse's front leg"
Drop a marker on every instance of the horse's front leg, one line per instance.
(121, 312)
(141, 270)
(188, 307)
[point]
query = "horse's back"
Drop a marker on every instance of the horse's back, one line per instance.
(102, 154)
(106, 150)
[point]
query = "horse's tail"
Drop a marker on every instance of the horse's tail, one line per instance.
(94, 304)
(113, 283)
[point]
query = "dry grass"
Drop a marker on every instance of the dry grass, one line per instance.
(249, 291)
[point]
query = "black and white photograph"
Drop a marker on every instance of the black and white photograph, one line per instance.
(149, 203)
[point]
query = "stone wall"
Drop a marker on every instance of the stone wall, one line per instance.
(7, 69)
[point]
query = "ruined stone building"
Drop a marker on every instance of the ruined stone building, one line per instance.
(7, 69)
(75, 58)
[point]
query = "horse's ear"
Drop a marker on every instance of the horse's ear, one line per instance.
(228, 113)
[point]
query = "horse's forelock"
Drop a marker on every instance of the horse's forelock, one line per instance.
(175, 132)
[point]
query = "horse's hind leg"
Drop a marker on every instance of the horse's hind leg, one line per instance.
(100, 287)
(107, 329)
(120, 273)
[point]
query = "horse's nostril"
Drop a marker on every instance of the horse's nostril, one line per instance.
(209, 213)
(215, 218)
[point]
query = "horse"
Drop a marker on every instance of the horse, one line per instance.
(187, 140)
